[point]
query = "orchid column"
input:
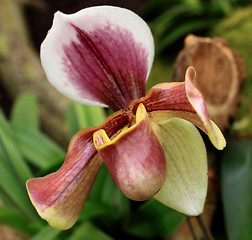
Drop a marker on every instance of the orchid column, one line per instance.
(102, 56)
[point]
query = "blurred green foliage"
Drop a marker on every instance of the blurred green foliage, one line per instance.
(161, 72)
(171, 20)
(236, 30)
(236, 179)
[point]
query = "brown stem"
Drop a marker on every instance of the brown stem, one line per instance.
(188, 219)
(204, 228)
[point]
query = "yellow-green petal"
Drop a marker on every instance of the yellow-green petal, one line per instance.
(185, 187)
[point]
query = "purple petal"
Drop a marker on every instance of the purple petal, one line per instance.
(99, 56)
(135, 158)
(196, 99)
(60, 196)
(181, 100)
(169, 96)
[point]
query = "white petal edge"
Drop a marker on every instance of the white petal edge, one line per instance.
(185, 188)
(63, 33)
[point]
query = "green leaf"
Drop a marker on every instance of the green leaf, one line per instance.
(38, 148)
(16, 161)
(88, 231)
(79, 116)
(109, 189)
(152, 6)
(106, 192)
(166, 20)
(94, 209)
(13, 172)
(12, 191)
(95, 194)
(24, 112)
(236, 180)
(16, 220)
(153, 219)
(112, 205)
(183, 29)
(221, 6)
(47, 233)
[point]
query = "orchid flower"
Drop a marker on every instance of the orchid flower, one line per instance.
(102, 56)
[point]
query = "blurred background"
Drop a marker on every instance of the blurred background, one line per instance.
(36, 122)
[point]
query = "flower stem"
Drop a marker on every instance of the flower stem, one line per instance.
(204, 228)
(188, 219)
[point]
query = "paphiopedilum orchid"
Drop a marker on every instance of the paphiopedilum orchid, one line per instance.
(102, 56)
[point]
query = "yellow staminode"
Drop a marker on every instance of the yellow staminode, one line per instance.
(101, 138)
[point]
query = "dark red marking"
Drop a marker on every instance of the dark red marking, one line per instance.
(170, 98)
(107, 65)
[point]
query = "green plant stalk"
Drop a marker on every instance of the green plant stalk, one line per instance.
(82, 121)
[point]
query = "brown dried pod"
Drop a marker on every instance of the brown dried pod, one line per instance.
(220, 72)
